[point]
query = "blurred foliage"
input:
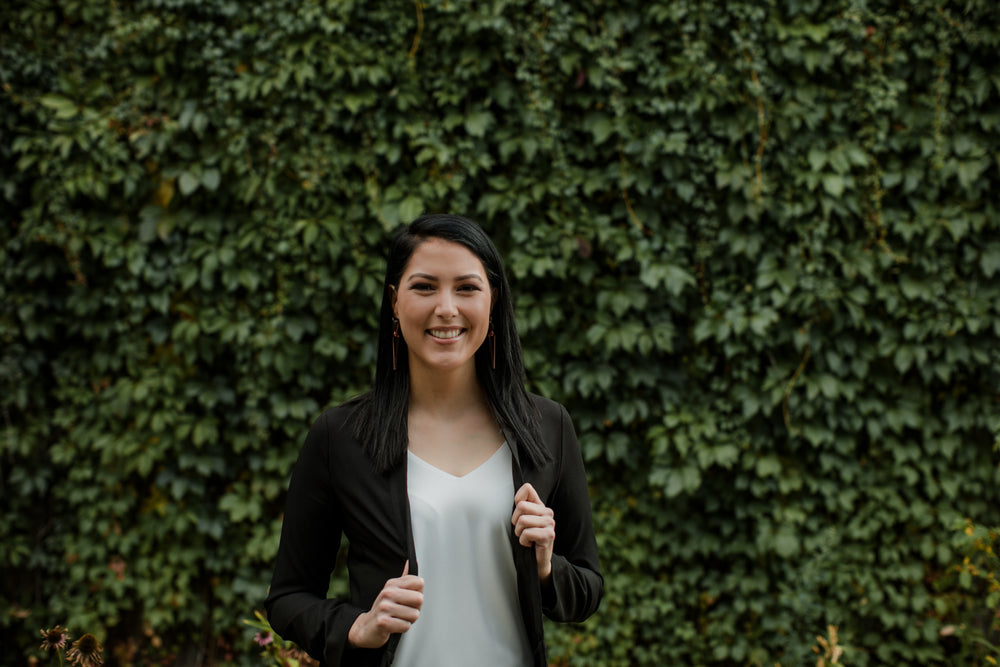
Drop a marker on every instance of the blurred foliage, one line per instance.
(756, 248)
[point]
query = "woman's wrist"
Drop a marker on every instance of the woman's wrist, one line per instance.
(354, 638)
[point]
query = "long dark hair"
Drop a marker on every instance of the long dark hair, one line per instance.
(380, 415)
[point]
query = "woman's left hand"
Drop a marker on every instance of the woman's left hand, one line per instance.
(535, 524)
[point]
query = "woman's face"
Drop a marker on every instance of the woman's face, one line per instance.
(443, 305)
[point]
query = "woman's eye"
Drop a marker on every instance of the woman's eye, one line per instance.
(468, 288)
(422, 287)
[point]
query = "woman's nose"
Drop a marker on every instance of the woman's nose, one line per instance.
(446, 305)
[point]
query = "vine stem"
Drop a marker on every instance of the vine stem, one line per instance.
(628, 203)
(420, 29)
(763, 132)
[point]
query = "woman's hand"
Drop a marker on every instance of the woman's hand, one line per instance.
(535, 524)
(396, 608)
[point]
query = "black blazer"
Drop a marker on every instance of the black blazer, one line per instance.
(335, 491)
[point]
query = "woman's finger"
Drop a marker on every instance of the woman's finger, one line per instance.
(533, 521)
(525, 508)
(543, 536)
(408, 611)
(527, 492)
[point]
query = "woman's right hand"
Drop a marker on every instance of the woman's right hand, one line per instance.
(396, 608)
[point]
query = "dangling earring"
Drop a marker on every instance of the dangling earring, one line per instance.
(395, 340)
(493, 346)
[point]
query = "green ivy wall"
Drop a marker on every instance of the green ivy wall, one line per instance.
(756, 251)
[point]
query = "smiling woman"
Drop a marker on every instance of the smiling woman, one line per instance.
(443, 308)
(447, 463)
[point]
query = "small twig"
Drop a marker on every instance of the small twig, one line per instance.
(371, 180)
(788, 392)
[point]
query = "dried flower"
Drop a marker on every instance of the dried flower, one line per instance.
(54, 639)
(830, 651)
(298, 655)
(86, 652)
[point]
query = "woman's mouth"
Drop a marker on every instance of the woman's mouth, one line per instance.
(445, 334)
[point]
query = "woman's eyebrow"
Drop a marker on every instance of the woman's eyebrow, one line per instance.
(427, 276)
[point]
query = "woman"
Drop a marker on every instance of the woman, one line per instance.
(447, 464)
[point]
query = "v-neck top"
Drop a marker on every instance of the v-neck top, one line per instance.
(460, 525)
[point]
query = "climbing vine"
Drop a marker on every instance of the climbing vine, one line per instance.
(756, 253)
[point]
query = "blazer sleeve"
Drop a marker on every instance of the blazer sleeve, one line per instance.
(577, 584)
(297, 606)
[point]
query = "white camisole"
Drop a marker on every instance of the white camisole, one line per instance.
(470, 614)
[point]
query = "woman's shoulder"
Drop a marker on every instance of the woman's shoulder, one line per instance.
(337, 417)
(547, 408)
(554, 422)
(333, 429)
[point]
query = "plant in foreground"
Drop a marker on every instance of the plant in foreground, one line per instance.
(974, 587)
(278, 652)
(84, 652)
(828, 649)
(54, 639)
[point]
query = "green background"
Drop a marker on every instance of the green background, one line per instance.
(756, 252)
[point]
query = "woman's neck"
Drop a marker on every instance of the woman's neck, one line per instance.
(444, 394)
(450, 424)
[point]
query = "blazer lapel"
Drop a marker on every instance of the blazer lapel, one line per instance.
(529, 589)
(396, 480)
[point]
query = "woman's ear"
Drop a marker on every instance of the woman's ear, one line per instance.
(493, 299)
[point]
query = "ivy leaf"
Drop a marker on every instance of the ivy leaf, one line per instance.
(64, 108)
(683, 480)
(210, 178)
(834, 184)
(817, 158)
(970, 170)
(768, 466)
(410, 208)
(477, 123)
(188, 183)
(989, 260)
(786, 542)
(673, 277)
(600, 127)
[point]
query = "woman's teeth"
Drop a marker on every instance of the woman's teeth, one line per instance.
(446, 333)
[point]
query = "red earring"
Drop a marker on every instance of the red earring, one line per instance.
(395, 340)
(493, 345)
